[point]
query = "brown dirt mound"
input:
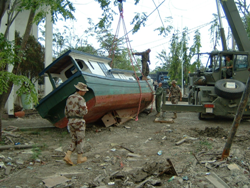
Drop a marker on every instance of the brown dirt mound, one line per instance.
(217, 132)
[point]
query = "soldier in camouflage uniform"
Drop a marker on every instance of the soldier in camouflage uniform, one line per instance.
(158, 99)
(144, 60)
(175, 92)
(74, 111)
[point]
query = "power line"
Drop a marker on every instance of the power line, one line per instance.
(160, 17)
(189, 32)
(146, 16)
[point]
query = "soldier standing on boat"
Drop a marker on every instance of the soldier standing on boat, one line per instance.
(144, 60)
(175, 92)
(158, 99)
(74, 111)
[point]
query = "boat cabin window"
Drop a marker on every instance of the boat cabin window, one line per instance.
(241, 62)
(72, 70)
(105, 70)
(58, 81)
(91, 65)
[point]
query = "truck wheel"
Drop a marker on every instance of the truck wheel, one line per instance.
(227, 93)
(200, 116)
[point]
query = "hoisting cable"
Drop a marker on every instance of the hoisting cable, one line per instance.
(114, 42)
(129, 52)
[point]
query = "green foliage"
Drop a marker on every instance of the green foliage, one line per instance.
(107, 15)
(165, 30)
(138, 20)
(36, 152)
(180, 53)
(6, 53)
(205, 144)
(195, 49)
(33, 63)
(115, 48)
(8, 56)
(214, 31)
(57, 8)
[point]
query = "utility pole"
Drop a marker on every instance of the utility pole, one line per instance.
(237, 119)
(182, 61)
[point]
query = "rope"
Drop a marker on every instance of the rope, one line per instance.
(114, 40)
(130, 56)
(129, 49)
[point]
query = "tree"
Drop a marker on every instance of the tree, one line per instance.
(195, 49)
(174, 57)
(38, 11)
(214, 31)
(33, 63)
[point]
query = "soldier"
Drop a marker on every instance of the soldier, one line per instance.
(228, 69)
(75, 110)
(175, 92)
(144, 60)
(158, 93)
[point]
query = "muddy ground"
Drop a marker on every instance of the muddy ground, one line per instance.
(130, 155)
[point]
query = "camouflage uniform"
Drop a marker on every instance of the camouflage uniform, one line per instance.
(158, 99)
(75, 110)
(224, 70)
(175, 93)
(144, 60)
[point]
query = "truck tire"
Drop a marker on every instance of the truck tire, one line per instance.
(227, 93)
(200, 116)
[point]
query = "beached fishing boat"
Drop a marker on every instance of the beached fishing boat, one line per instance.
(114, 95)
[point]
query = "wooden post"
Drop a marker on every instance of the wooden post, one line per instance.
(237, 119)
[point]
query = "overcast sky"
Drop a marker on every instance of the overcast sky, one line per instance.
(185, 13)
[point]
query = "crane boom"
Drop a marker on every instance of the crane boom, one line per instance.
(236, 25)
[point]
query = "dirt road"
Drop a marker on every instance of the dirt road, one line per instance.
(131, 155)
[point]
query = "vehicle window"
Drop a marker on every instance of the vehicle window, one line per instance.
(216, 62)
(241, 62)
(223, 61)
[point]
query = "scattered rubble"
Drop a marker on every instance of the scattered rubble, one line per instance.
(146, 154)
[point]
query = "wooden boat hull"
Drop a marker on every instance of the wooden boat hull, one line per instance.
(105, 95)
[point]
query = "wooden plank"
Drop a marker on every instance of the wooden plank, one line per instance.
(108, 119)
(216, 181)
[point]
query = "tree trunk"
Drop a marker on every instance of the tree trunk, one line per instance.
(3, 7)
(3, 99)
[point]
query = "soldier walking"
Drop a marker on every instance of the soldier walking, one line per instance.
(175, 92)
(144, 60)
(74, 111)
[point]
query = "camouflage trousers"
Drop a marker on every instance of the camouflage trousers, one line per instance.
(145, 68)
(174, 100)
(77, 133)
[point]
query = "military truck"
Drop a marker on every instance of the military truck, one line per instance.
(163, 77)
(209, 93)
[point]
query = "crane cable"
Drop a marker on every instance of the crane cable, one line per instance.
(129, 50)
(130, 56)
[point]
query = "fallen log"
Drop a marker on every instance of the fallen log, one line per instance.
(19, 146)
